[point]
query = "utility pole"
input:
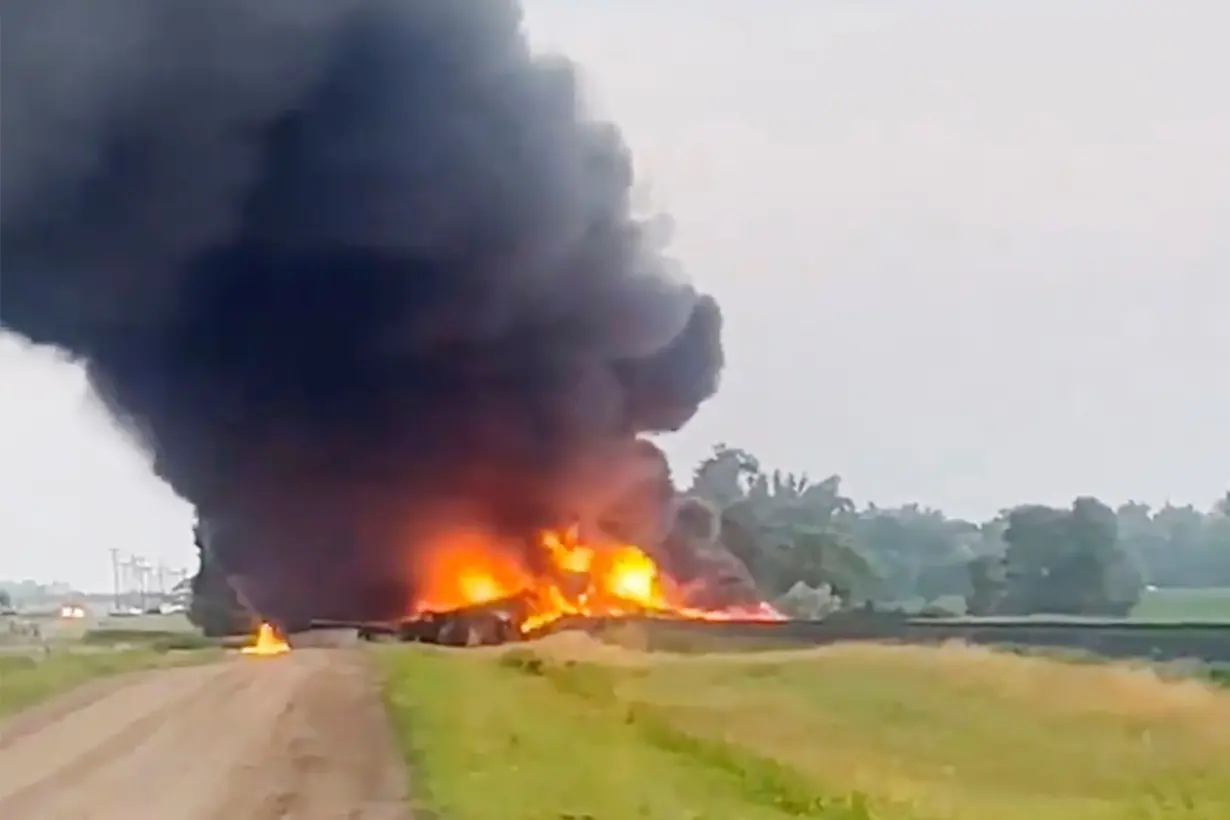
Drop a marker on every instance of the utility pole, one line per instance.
(162, 584)
(125, 581)
(136, 583)
(115, 579)
(143, 583)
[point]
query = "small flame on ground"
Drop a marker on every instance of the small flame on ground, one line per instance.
(268, 643)
(582, 579)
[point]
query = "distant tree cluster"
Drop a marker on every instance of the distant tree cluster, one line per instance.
(31, 593)
(811, 549)
(798, 536)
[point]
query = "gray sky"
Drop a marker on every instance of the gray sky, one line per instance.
(970, 253)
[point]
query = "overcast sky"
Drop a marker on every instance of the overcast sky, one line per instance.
(970, 254)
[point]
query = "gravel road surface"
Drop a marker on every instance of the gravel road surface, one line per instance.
(300, 736)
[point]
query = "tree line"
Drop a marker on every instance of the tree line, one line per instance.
(800, 536)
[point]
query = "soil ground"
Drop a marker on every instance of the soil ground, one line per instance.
(300, 736)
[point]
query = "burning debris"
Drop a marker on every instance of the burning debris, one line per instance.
(363, 278)
(487, 624)
(268, 643)
(578, 578)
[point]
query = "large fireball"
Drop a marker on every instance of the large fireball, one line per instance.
(596, 578)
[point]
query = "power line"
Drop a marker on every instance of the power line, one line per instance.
(138, 583)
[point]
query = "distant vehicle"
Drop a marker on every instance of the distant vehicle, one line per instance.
(72, 612)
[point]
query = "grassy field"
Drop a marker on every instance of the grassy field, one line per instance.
(26, 679)
(1210, 604)
(66, 631)
(569, 728)
(1170, 604)
(74, 652)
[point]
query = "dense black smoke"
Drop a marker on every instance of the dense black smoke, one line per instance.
(346, 268)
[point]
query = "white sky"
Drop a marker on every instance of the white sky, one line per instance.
(970, 253)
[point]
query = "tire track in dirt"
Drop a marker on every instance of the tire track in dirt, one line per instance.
(298, 736)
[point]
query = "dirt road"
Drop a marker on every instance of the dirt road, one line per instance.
(299, 736)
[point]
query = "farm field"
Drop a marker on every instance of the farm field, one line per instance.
(1165, 604)
(1208, 604)
(571, 728)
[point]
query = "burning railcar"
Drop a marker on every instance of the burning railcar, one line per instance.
(467, 586)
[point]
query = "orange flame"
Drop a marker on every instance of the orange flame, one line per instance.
(585, 579)
(268, 643)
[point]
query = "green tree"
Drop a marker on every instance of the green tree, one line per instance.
(1037, 546)
(1067, 561)
(783, 526)
(1217, 543)
(988, 581)
(1178, 546)
(1085, 558)
(917, 551)
(943, 580)
(725, 476)
(1141, 538)
(820, 557)
(6, 600)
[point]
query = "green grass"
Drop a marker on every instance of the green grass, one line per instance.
(1169, 604)
(1209, 604)
(27, 679)
(499, 740)
(158, 640)
(573, 729)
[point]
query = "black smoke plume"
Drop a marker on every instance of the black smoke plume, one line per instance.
(349, 270)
